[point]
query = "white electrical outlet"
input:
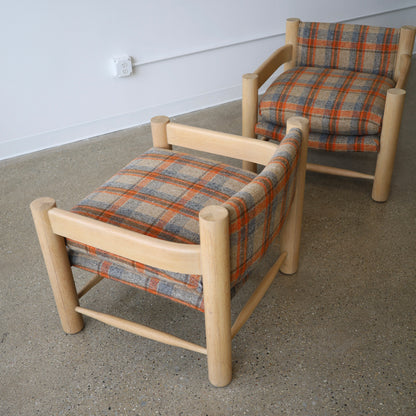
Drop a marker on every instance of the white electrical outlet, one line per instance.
(123, 66)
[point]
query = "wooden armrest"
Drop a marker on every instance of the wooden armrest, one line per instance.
(177, 257)
(403, 68)
(272, 63)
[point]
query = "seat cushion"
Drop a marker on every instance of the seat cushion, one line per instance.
(158, 194)
(322, 141)
(337, 102)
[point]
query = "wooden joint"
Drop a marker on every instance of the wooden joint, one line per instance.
(158, 125)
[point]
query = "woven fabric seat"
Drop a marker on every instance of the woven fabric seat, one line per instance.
(161, 193)
(348, 80)
(337, 102)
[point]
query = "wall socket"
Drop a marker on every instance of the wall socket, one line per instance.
(123, 66)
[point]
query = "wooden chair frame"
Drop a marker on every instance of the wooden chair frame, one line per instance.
(211, 257)
(392, 112)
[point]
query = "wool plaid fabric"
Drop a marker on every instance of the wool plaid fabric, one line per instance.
(258, 211)
(337, 102)
(161, 193)
(158, 194)
(321, 141)
(346, 46)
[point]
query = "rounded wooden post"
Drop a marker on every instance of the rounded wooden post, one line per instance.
(58, 266)
(292, 28)
(249, 111)
(215, 263)
(291, 231)
(159, 134)
(406, 42)
(388, 143)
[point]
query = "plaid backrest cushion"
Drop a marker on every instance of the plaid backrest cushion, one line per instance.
(347, 46)
(258, 211)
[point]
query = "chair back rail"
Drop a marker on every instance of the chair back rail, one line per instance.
(223, 144)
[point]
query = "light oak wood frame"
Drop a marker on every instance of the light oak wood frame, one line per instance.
(392, 112)
(211, 258)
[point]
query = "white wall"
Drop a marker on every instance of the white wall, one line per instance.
(56, 82)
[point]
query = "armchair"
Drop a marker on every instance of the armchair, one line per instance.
(348, 80)
(182, 227)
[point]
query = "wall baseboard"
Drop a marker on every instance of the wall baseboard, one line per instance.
(251, 47)
(72, 134)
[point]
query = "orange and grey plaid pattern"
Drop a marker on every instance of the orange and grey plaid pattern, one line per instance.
(161, 193)
(357, 48)
(158, 194)
(337, 103)
(259, 210)
(321, 141)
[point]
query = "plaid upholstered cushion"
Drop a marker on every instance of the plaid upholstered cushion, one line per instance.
(161, 193)
(321, 141)
(158, 194)
(346, 46)
(336, 101)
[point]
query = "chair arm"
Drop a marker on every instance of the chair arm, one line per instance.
(403, 69)
(251, 84)
(168, 255)
(272, 63)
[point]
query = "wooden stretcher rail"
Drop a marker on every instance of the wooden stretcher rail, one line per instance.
(338, 171)
(257, 295)
(90, 284)
(141, 330)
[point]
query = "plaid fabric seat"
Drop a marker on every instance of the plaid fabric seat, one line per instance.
(356, 48)
(345, 108)
(161, 193)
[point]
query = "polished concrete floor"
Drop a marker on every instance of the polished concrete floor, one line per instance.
(339, 337)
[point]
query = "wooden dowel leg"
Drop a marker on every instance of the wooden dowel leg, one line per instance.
(291, 231)
(388, 144)
(406, 43)
(292, 27)
(249, 111)
(215, 259)
(58, 266)
(159, 134)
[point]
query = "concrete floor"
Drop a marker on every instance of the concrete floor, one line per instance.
(339, 337)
